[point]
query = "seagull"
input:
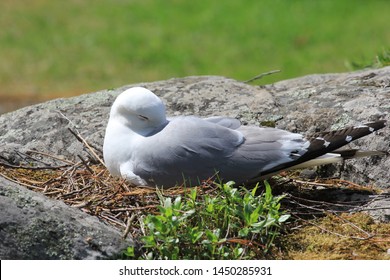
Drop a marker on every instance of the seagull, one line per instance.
(146, 148)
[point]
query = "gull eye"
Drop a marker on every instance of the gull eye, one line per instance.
(143, 118)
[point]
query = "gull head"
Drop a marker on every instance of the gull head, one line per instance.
(140, 110)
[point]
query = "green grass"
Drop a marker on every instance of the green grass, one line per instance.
(51, 48)
(381, 60)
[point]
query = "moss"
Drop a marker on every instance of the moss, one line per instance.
(346, 237)
(268, 123)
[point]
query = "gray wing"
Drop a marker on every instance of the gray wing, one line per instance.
(224, 121)
(265, 148)
(194, 149)
(188, 147)
(191, 149)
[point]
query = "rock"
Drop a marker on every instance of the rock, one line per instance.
(306, 105)
(308, 174)
(379, 208)
(33, 226)
(44, 127)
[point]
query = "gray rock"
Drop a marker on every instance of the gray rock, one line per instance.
(306, 105)
(33, 226)
(379, 208)
(44, 127)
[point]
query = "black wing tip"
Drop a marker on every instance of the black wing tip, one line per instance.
(356, 131)
(376, 125)
(331, 141)
(326, 142)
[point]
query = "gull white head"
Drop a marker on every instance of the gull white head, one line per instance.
(140, 110)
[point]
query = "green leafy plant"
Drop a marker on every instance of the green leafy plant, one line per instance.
(233, 223)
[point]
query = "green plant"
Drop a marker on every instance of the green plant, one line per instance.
(230, 224)
(380, 60)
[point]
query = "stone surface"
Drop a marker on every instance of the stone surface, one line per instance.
(306, 105)
(379, 208)
(33, 226)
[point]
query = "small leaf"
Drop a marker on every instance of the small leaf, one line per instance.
(253, 192)
(243, 232)
(254, 217)
(177, 203)
(284, 218)
(196, 236)
(210, 206)
(187, 214)
(268, 191)
(193, 194)
(213, 236)
(129, 252)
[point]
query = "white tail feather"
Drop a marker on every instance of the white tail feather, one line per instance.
(334, 158)
(324, 159)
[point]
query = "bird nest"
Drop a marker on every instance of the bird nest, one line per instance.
(87, 185)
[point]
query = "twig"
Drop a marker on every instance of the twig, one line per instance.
(312, 183)
(85, 164)
(75, 127)
(141, 222)
(317, 202)
(308, 207)
(133, 209)
(105, 216)
(258, 77)
(24, 156)
(52, 192)
(18, 182)
(354, 226)
(128, 226)
(66, 118)
(350, 183)
(51, 156)
(332, 232)
(74, 192)
(47, 166)
(82, 140)
(81, 204)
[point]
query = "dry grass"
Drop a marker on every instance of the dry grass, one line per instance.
(90, 188)
(322, 228)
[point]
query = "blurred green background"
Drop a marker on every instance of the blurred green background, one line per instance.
(62, 48)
